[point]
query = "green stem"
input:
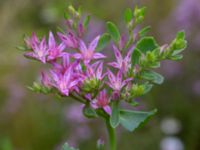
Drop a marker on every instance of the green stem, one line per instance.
(112, 135)
(81, 100)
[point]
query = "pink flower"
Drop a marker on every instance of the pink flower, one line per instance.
(64, 83)
(94, 72)
(87, 54)
(102, 101)
(65, 64)
(69, 40)
(116, 82)
(122, 63)
(39, 49)
(54, 50)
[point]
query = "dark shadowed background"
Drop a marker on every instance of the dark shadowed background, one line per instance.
(30, 121)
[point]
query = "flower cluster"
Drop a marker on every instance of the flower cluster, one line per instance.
(78, 70)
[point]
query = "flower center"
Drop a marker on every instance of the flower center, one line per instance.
(88, 55)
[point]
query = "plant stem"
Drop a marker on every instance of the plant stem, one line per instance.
(112, 135)
(78, 98)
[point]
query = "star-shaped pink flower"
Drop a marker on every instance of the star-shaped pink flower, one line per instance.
(121, 63)
(88, 53)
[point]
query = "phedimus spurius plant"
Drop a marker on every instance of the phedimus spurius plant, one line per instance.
(77, 69)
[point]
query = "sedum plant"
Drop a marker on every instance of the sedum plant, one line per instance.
(77, 69)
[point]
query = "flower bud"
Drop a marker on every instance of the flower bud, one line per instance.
(91, 85)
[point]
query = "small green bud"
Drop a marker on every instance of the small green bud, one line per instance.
(38, 88)
(150, 56)
(91, 85)
(136, 90)
(139, 14)
(139, 90)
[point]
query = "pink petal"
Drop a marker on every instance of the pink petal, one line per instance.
(66, 60)
(65, 92)
(73, 83)
(62, 46)
(110, 85)
(94, 104)
(114, 64)
(103, 92)
(45, 79)
(56, 66)
(88, 96)
(128, 56)
(126, 81)
(105, 74)
(80, 29)
(54, 76)
(86, 62)
(117, 54)
(107, 109)
(77, 55)
(43, 44)
(51, 43)
(83, 47)
(94, 66)
(61, 36)
(98, 56)
(94, 43)
(99, 71)
(119, 76)
(111, 76)
(122, 42)
(67, 76)
(90, 71)
(43, 59)
(30, 55)
(34, 38)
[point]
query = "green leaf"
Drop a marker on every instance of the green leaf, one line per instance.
(147, 44)
(103, 41)
(131, 120)
(89, 112)
(128, 15)
(114, 118)
(144, 31)
(86, 21)
(152, 76)
(136, 56)
(147, 87)
(176, 57)
(67, 147)
(113, 31)
(22, 48)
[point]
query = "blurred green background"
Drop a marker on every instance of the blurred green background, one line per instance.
(30, 121)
